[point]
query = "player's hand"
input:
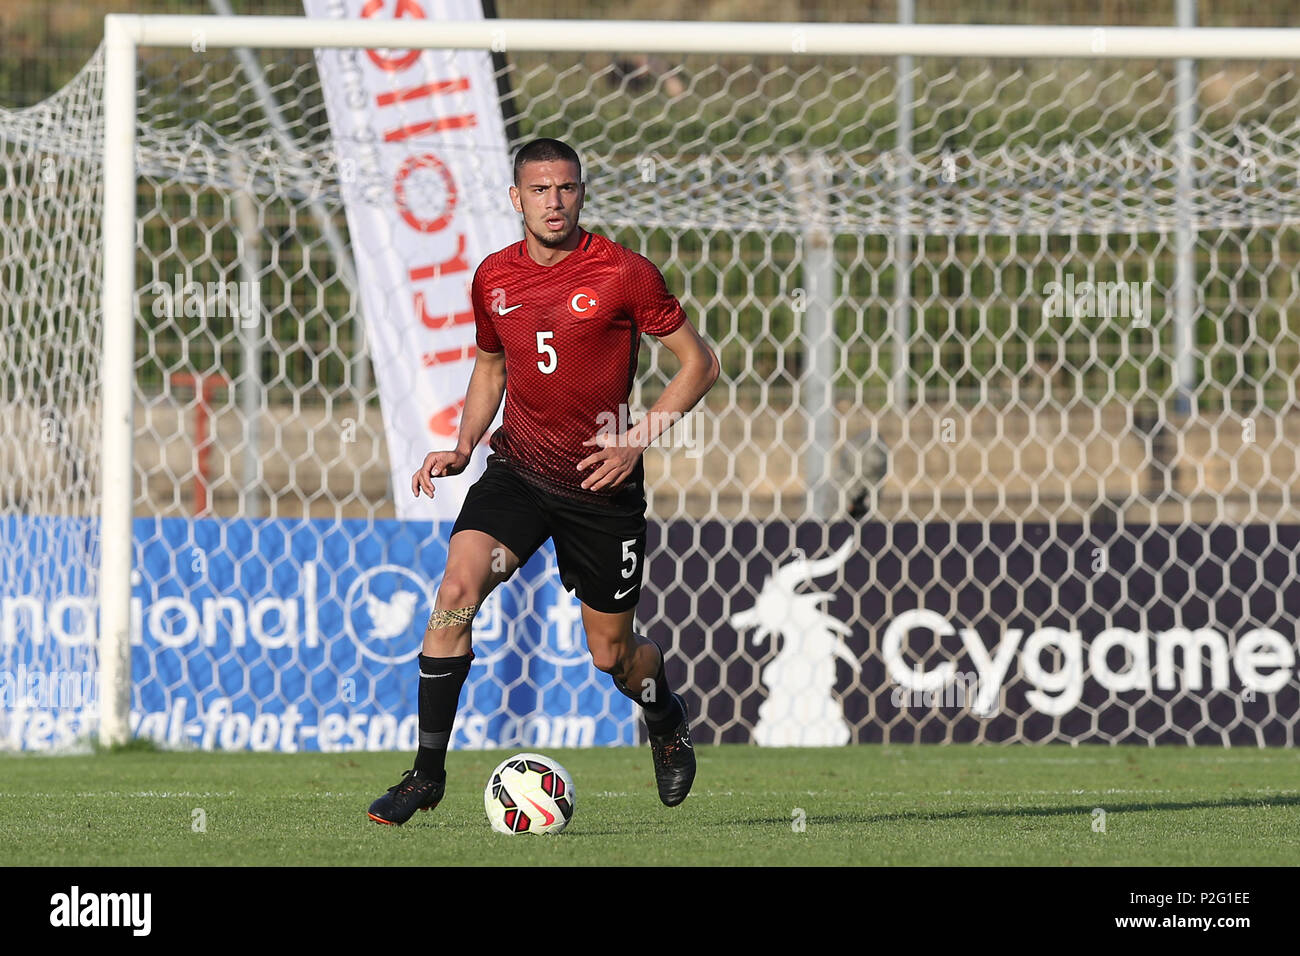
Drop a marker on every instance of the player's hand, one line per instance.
(614, 462)
(437, 464)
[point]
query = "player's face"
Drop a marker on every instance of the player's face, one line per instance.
(550, 197)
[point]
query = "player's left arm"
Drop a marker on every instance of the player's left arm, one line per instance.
(698, 371)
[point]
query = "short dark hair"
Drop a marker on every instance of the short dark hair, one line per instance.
(545, 151)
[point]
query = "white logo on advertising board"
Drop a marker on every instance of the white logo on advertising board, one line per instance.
(379, 613)
(801, 708)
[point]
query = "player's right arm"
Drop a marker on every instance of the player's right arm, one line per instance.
(487, 383)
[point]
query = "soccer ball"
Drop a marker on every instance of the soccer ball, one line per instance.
(529, 793)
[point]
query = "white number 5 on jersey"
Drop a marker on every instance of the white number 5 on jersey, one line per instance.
(543, 348)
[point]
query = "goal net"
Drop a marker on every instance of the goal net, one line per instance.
(1004, 446)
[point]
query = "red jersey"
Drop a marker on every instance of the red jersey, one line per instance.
(571, 334)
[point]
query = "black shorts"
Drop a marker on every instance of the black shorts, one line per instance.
(600, 548)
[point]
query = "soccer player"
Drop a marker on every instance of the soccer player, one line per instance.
(559, 319)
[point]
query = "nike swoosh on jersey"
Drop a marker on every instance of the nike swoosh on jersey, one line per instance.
(619, 595)
(501, 311)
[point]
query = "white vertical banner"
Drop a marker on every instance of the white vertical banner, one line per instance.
(424, 168)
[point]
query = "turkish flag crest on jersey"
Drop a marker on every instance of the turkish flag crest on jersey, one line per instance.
(582, 302)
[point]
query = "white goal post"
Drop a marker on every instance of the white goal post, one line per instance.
(126, 34)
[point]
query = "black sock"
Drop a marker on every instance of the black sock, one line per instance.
(441, 679)
(662, 713)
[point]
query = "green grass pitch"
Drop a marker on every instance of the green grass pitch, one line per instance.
(862, 805)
